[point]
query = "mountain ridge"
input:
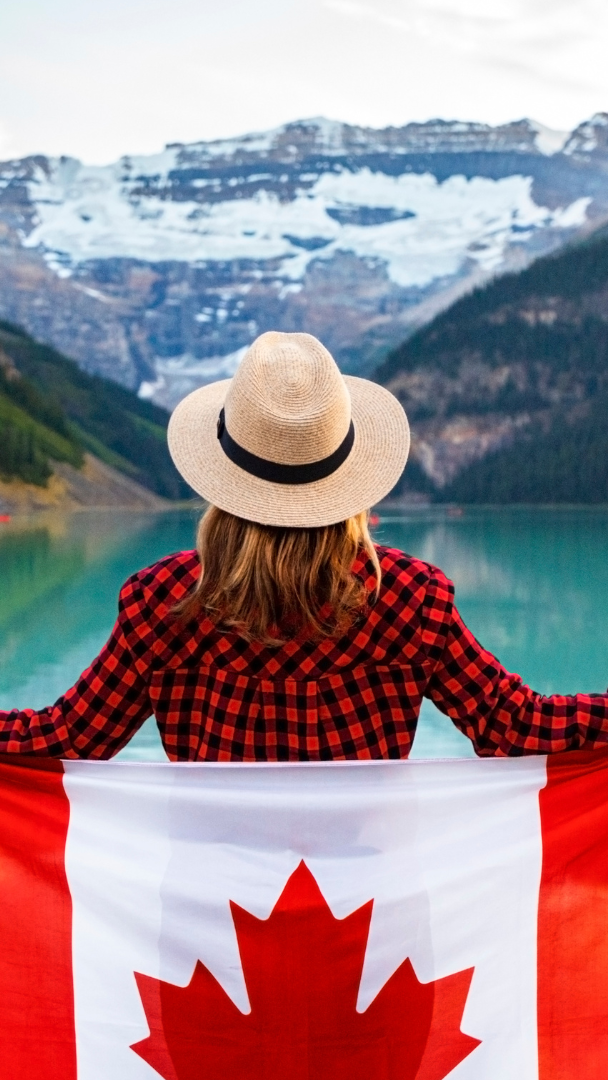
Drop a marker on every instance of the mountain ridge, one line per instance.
(157, 271)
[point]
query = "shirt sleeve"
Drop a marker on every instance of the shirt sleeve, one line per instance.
(94, 719)
(495, 709)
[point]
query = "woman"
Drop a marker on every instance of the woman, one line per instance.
(288, 635)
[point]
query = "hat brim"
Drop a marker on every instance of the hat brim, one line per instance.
(371, 470)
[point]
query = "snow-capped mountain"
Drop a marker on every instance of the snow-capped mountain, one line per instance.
(159, 270)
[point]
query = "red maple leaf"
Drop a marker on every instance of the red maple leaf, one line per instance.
(302, 969)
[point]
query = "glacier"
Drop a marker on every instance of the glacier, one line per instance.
(92, 213)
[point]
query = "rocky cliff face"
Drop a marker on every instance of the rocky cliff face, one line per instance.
(96, 486)
(520, 361)
(158, 271)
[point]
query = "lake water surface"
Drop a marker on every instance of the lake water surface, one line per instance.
(531, 584)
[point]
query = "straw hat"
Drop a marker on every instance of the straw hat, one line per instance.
(289, 440)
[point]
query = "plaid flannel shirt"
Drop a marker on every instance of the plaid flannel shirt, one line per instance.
(217, 697)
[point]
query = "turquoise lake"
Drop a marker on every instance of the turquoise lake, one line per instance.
(531, 584)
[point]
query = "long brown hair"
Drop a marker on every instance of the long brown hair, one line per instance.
(269, 583)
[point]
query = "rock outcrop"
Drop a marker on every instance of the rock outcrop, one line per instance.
(95, 486)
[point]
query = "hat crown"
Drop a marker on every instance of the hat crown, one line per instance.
(288, 402)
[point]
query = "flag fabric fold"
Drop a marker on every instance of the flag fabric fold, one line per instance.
(344, 921)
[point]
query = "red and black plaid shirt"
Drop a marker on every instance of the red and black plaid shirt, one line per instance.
(217, 697)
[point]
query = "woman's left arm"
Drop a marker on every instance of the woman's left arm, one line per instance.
(494, 708)
(94, 719)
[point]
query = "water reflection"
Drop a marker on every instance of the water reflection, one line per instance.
(59, 580)
(532, 585)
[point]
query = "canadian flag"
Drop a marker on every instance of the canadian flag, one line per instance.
(352, 921)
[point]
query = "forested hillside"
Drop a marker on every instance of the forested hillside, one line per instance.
(508, 389)
(50, 410)
(568, 464)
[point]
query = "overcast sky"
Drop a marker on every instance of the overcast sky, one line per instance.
(98, 79)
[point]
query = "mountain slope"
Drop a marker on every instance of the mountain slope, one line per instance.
(567, 464)
(51, 411)
(518, 371)
(158, 271)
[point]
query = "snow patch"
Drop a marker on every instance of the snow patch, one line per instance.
(584, 139)
(574, 215)
(97, 212)
(150, 164)
(257, 142)
(179, 375)
(548, 140)
(330, 133)
(95, 294)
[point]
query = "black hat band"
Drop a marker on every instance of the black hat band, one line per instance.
(276, 473)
